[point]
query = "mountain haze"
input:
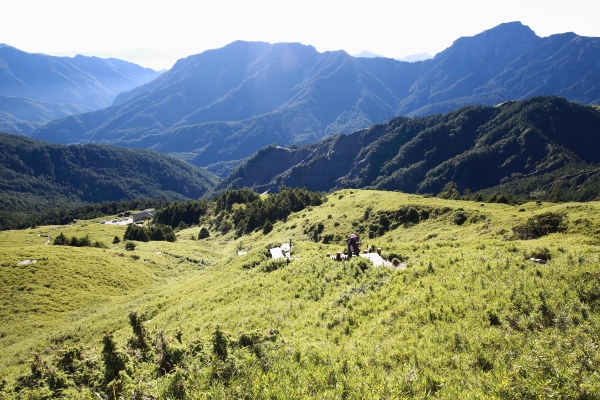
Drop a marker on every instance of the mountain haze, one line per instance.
(37, 88)
(222, 105)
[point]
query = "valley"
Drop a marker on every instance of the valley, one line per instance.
(474, 173)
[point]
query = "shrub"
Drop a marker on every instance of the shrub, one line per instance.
(459, 217)
(328, 238)
(219, 342)
(84, 241)
(540, 225)
(542, 253)
(203, 233)
(60, 240)
(274, 265)
(116, 240)
(114, 360)
(129, 246)
(168, 355)
(253, 259)
(268, 227)
(412, 215)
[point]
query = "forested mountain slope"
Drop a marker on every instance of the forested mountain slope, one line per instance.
(476, 147)
(224, 104)
(38, 176)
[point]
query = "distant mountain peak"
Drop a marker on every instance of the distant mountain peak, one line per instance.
(506, 32)
(223, 104)
(366, 54)
(415, 57)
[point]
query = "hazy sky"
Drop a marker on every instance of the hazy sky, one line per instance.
(155, 33)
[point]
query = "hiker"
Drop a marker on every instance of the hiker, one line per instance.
(353, 245)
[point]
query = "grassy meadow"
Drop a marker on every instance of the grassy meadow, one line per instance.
(466, 314)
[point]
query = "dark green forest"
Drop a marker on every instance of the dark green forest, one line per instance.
(543, 148)
(66, 213)
(45, 183)
(241, 210)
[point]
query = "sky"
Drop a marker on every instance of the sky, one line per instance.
(155, 33)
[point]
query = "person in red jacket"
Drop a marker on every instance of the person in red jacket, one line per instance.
(353, 245)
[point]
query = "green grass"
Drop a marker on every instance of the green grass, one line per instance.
(470, 316)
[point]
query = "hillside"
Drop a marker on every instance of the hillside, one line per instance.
(36, 88)
(225, 104)
(37, 176)
(466, 314)
(22, 115)
(530, 147)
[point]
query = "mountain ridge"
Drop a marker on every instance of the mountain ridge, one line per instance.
(55, 87)
(36, 174)
(224, 104)
(476, 147)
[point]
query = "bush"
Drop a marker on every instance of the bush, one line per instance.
(540, 225)
(60, 240)
(459, 217)
(542, 253)
(219, 342)
(130, 246)
(116, 240)
(328, 238)
(412, 215)
(203, 233)
(268, 227)
(182, 225)
(160, 232)
(99, 245)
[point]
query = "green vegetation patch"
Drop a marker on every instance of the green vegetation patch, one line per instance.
(540, 225)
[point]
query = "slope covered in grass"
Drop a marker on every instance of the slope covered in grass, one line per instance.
(469, 315)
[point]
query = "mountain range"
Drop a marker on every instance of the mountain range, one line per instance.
(533, 147)
(218, 107)
(37, 176)
(37, 88)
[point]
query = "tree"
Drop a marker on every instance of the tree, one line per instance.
(203, 233)
(268, 227)
(449, 191)
(134, 232)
